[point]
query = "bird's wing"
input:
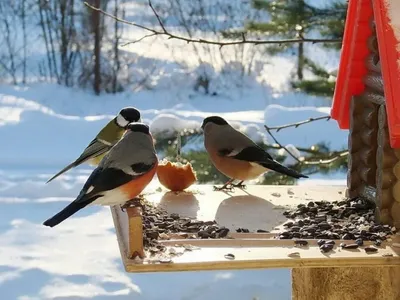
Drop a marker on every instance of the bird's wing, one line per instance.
(251, 153)
(110, 178)
(95, 148)
(256, 154)
(99, 181)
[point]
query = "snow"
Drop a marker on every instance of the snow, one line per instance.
(393, 8)
(290, 159)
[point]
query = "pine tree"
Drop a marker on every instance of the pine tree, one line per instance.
(330, 26)
(288, 19)
(297, 19)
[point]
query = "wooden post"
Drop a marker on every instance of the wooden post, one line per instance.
(129, 228)
(135, 230)
(346, 283)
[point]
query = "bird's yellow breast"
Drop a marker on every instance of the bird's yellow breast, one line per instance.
(96, 160)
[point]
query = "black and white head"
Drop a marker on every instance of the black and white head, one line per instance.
(213, 120)
(138, 127)
(127, 115)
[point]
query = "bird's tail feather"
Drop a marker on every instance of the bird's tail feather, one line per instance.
(277, 167)
(68, 211)
(71, 165)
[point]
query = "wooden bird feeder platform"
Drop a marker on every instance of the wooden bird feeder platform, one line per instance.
(255, 208)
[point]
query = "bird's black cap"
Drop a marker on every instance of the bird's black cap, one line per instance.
(139, 127)
(213, 119)
(130, 114)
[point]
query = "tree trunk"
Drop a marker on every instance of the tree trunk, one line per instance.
(300, 61)
(23, 17)
(97, 47)
(300, 50)
(116, 50)
(46, 42)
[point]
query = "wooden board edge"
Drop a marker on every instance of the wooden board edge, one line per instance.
(121, 245)
(263, 264)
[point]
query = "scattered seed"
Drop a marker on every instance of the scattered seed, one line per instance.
(294, 254)
(387, 254)
(301, 242)
(229, 256)
(164, 236)
(326, 247)
(370, 249)
(359, 242)
(350, 246)
(165, 260)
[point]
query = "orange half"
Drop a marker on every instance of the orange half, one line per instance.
(176, 176)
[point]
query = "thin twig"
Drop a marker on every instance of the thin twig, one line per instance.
(280, 145)
(157, 16)
(329, 160)
(170, 35)
(297, 124)
(138, 40)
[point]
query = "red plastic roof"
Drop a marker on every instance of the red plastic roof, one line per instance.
(352, 63)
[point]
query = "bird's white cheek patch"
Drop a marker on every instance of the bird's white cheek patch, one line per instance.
(121, 121)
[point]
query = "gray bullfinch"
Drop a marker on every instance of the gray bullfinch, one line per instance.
(237, 156)
(120, 177)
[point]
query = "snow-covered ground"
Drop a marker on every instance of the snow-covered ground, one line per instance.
(44, 126)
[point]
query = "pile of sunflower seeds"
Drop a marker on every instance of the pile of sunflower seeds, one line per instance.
(160, 225)
(351, 219)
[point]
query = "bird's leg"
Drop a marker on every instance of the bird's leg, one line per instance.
(226, 187)
(239, 185)
(135, 202)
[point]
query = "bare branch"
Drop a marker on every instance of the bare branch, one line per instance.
(170, 35)
(280, 145)
(157, 16)
(328, 160)
(138, 40)
(297, 124)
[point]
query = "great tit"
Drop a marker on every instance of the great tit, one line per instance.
(104, 140)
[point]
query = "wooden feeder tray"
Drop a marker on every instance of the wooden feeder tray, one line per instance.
(257, 207)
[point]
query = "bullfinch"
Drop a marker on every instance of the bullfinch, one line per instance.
(105, 139)
(237, 156)
(120, 177)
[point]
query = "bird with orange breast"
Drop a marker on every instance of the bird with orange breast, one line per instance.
(121, 175)
(237, 156)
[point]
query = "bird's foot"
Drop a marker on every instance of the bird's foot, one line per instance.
(225, 187)
(135, 202)
(240, 185)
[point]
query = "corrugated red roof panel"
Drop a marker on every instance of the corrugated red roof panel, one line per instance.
(352, 63)
(389, 57)
(352, 60)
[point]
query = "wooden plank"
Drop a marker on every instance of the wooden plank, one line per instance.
(344, 283)
(257, 207)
